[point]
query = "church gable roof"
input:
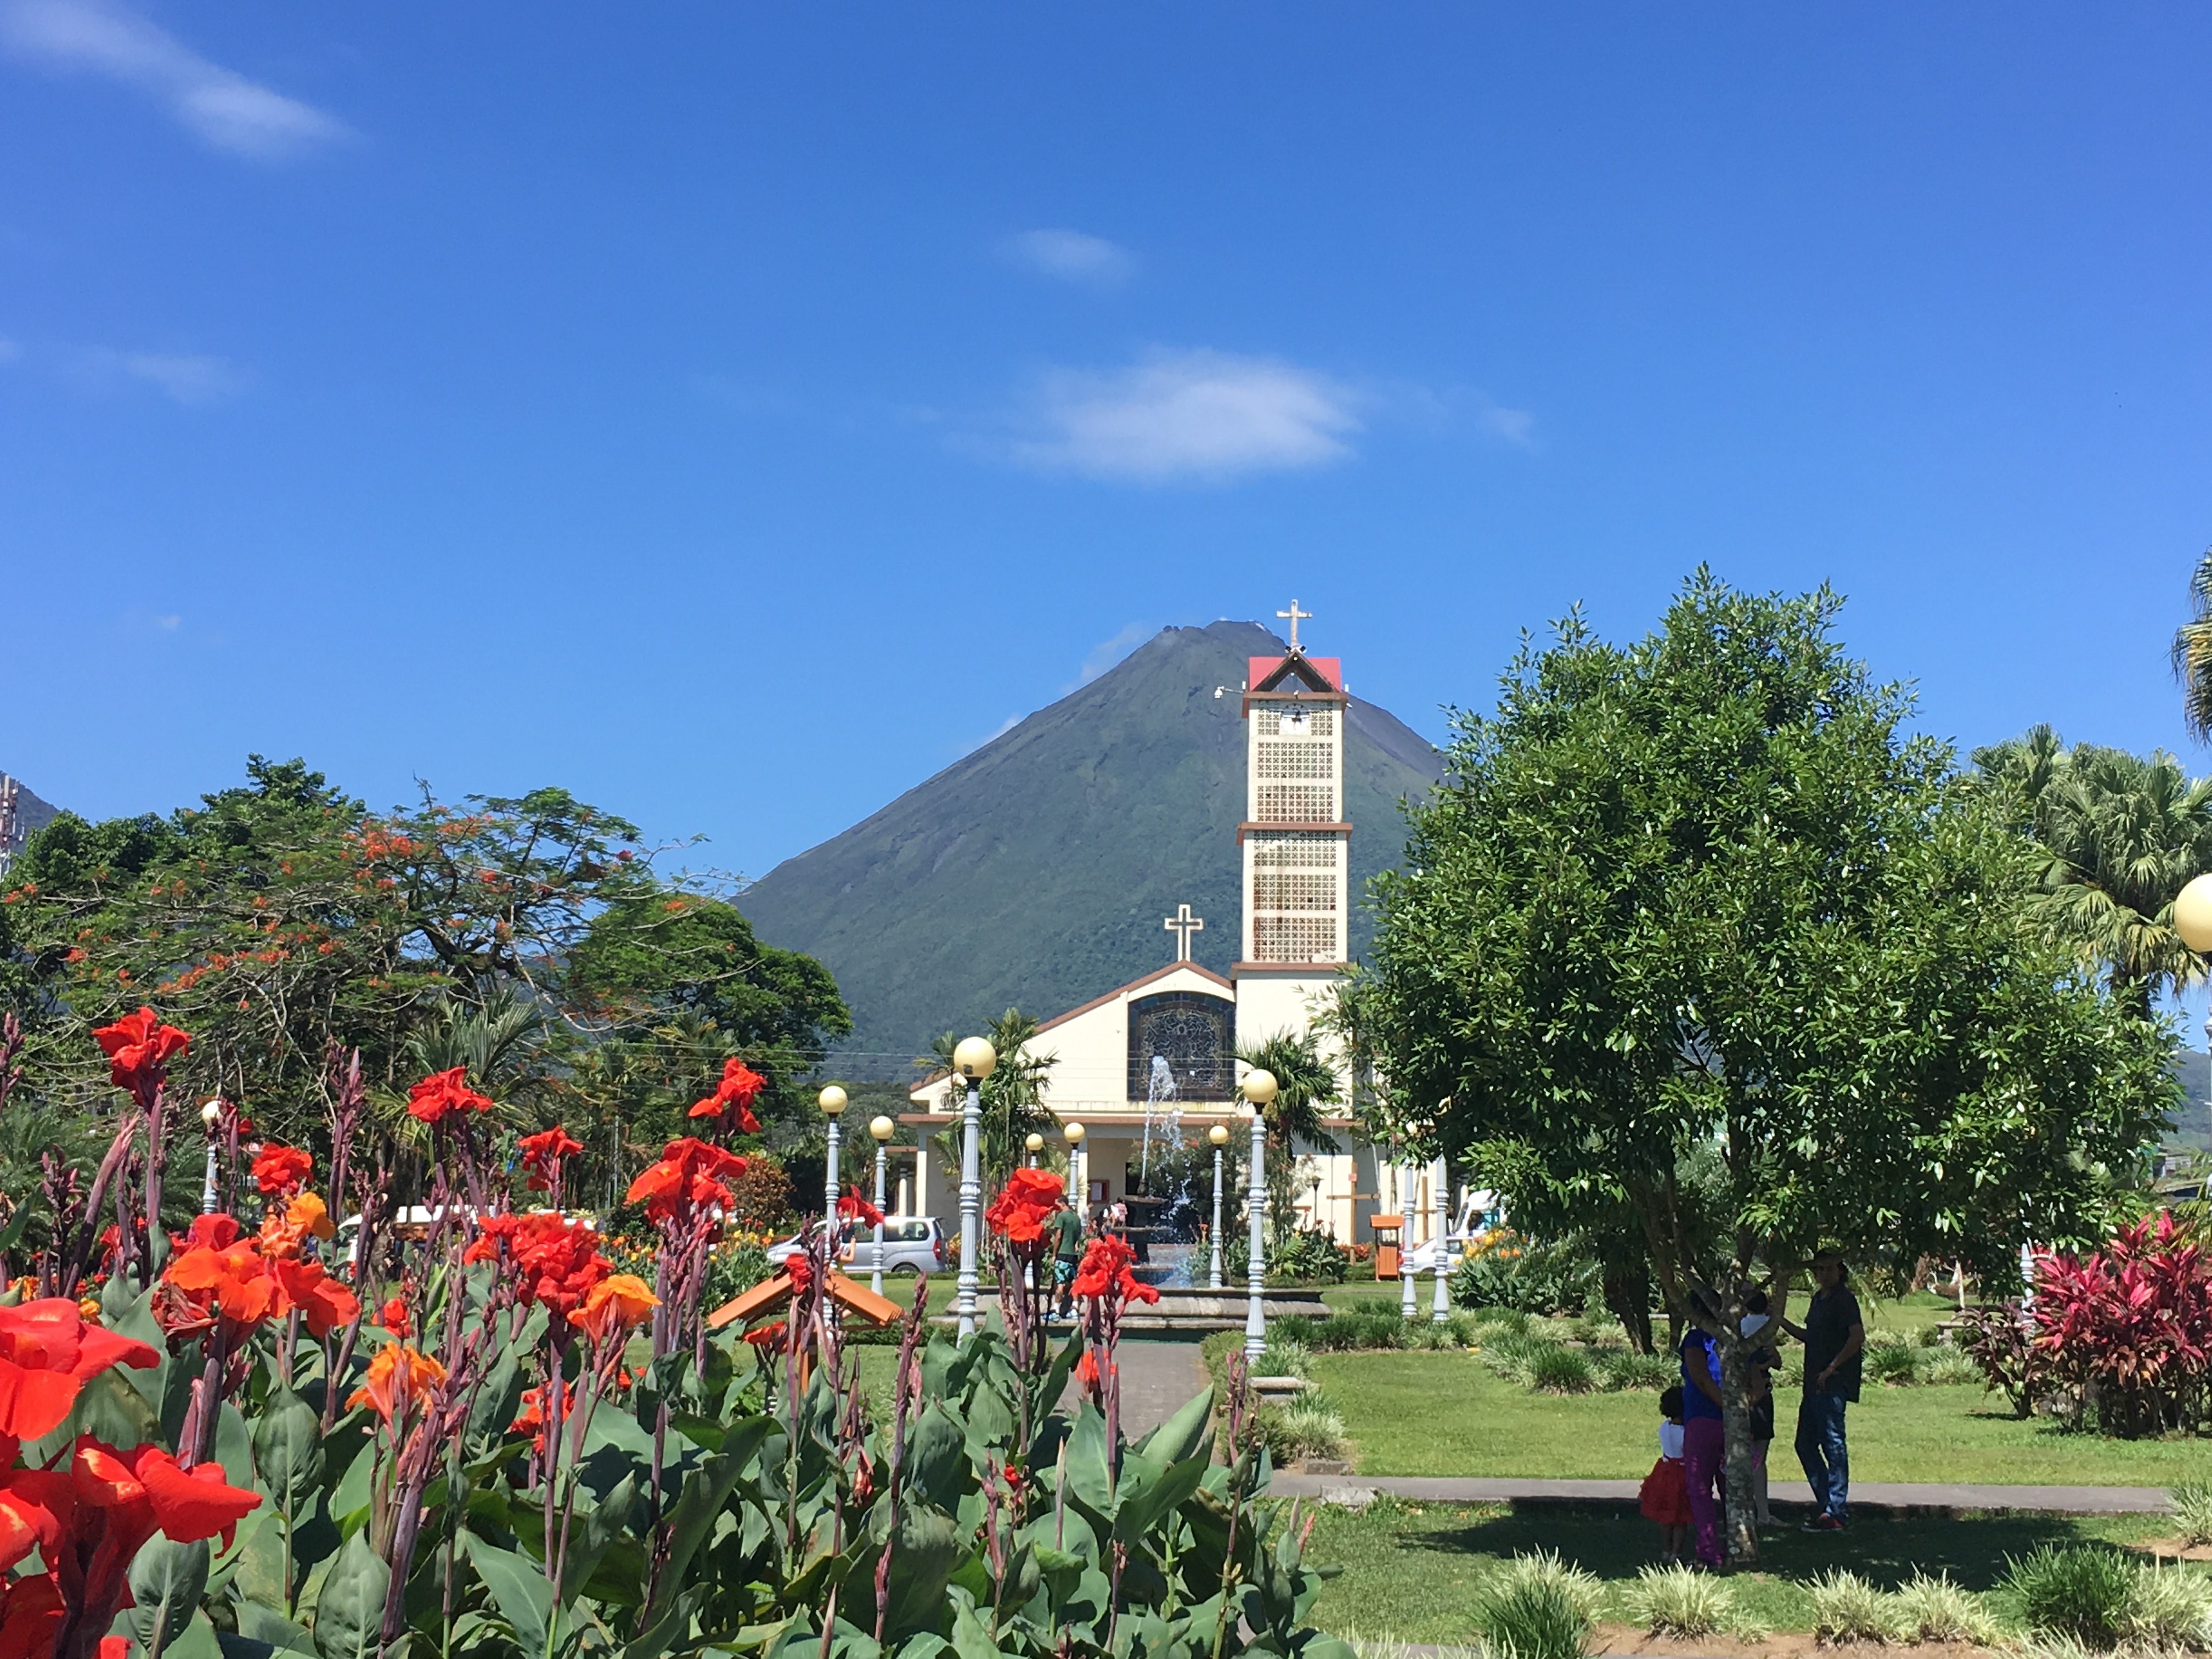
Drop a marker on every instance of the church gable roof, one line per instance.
(1144, 983)
(1312, 673)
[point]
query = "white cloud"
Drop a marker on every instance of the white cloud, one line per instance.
(1072, 257)
(1512, 426)
(1104, 654)
(1177, 415)
(9, 350)
(190, 380)
(220, 106)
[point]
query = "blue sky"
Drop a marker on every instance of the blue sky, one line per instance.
(736, 413)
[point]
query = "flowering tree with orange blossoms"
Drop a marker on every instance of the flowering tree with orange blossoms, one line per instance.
(456, 1427)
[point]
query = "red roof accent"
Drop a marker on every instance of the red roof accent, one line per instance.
(1258, 670)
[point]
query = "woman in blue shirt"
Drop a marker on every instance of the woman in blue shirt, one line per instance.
(1701, 1440)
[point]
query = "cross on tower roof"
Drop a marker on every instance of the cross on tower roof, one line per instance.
(1182, 924)
(1296, 616)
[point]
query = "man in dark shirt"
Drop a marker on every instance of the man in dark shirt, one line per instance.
(1833, 1335)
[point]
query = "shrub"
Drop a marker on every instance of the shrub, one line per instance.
(1950, 1364)
(1504, 1270)
(2192, 1510)
(2172, 1608)
(1512, 1355)
(1536, 1607)
(2131, 1327)
(1507, 1319)
(1347, 1333)
(1937, 1610)
(1680, 1600)
(1306, 1426)
(1623, 1368)
(1282, 1357)
(1848, 1608)
(1998, 1339)
(1892, 1363)
(2082, 1591)
(1555, 1370)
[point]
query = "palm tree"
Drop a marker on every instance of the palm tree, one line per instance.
(2119, 834)
(1013, 1097)
(1304, 1083)
(2192, 652)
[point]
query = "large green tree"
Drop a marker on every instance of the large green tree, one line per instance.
(529, 939)
(1701, 901)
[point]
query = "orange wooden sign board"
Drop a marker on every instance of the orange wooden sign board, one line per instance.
(774, 1290)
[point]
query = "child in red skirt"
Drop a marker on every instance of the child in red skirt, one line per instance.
(1665, 1497)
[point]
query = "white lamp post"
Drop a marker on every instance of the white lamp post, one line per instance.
(1258, 1091)
(211, 1116)
(1440, 1308)
(831, 1100)
(1078, 1192)
(1218, 1134)
(973, 1059)
(883, 1129)
(1406, 1244)
(1033, 1143)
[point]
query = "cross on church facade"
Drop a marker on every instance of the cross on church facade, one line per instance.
(1182, 924)
(1296, 616)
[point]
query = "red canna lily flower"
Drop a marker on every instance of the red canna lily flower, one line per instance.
(281, 1171)
(1105, 1271)
(139, 1048)
(1024, 1205)
(392, 1316)
(533, 1420)
(542, 1155)
(31, 1619)
(768, 1336)
(557, 1259)
(853, 1207)
(733, 1096)
(441, 1094)
(687, 1178)
(47, 1350)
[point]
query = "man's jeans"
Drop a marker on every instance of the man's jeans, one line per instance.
(1821, 1449)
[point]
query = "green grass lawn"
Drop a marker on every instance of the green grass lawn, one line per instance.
(1446, 1413)
(1411, 1569)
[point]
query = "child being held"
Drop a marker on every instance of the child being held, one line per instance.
(1665, 1496)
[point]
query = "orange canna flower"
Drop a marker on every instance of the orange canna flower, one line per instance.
(617, 1304)
(398, 1376)
(310, 1215)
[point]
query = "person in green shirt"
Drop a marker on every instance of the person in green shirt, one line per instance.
(1065, 1231)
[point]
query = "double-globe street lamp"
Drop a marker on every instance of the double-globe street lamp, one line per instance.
(1258, 1089)
(882, 1128)
(974, 1060)
(211, 1116)
(1218, 1134)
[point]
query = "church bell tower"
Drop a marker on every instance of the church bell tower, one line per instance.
(1296, 840)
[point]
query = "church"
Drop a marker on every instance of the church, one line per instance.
(1162, 1046)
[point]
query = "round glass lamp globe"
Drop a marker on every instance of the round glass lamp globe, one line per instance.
(882, 1127)
(1074, 1132)
(1218, 1134)
(1259, 1087)
(831, 1101)
(211, 1113)
(974, 1057)
(1033, 1142)
(2192, 914)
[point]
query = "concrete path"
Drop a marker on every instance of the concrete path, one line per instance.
(1157, 1380)
(1885, 1497)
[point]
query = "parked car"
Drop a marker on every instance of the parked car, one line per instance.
(913, 1245)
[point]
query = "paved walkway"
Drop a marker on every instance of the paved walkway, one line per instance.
(1885, 1497)
(1157, 1380)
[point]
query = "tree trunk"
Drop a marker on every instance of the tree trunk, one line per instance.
(1739, 1451)
(1628, 1296)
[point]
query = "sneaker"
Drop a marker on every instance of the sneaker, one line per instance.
(1823, 1523)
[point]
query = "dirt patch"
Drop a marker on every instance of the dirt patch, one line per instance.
(2173, 1549)
(1782, 1645)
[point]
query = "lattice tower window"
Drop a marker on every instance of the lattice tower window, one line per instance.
(1296, 760)
(1281, 723)
(1272, 890)
(1294, 938)
(1296, 803)
(1294, 851)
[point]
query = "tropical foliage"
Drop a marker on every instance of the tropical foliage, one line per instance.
(2118, 836)
(1012, 1099)
(1701, 896)
(467, 1431)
